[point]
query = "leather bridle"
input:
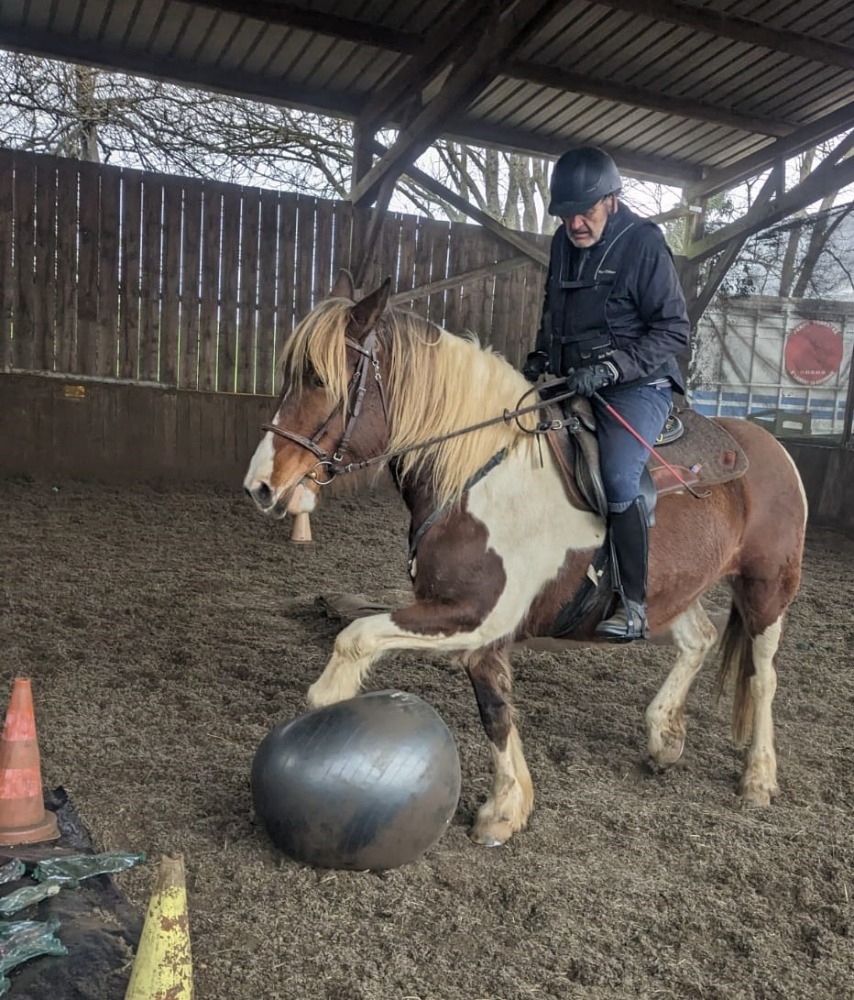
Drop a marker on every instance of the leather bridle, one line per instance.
(356, 391)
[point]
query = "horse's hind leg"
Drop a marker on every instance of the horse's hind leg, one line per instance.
(508, 807)
(759, 781)
(747, 656)
(693, 635)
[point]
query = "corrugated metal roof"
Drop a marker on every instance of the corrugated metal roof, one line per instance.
(676, 89)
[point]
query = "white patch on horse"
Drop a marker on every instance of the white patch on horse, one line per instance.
(531, 559)
(532, 555)
(357, 648)
(261, 463)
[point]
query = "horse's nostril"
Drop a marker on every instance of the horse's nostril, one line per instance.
(263, 495)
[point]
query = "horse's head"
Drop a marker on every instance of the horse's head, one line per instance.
(332, 407)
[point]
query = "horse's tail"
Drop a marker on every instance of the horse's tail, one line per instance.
(736, 665)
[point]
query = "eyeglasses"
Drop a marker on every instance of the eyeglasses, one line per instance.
(590, 214)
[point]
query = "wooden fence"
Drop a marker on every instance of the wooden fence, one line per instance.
(117, 274)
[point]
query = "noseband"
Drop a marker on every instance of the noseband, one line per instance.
(356, 390)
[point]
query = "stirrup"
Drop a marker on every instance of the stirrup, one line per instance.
(673, 430)
(627, 623)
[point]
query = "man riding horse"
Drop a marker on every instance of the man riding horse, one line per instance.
(614, 321)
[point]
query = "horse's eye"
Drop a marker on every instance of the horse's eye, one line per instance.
(312, 377)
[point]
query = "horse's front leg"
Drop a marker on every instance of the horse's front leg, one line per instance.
(508, 807)
(448, 627)
(355, 650)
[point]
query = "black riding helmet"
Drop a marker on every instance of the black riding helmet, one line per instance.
(580, 178)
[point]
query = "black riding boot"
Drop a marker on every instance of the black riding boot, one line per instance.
(629, 547)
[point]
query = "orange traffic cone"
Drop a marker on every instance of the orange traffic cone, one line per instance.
(23, 817)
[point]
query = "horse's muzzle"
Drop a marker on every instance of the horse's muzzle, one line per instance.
(290, 501)
(264, 499)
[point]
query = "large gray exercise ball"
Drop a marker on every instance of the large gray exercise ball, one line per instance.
(367, 783)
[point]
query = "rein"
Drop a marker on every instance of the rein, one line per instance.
(505, 417)
(358, 382)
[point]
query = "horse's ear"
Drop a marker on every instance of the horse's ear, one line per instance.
(368, 310)
(343, 287)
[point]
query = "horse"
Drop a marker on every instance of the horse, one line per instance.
(498, 545)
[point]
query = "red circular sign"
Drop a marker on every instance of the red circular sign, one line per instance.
(813, 352)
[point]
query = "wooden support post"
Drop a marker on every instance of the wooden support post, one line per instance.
(372, 234)
(363, 159)
(848, 421)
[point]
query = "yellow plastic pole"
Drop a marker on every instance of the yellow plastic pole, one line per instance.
(163, 968)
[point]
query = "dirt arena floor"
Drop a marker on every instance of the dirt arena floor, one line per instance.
(166, 631)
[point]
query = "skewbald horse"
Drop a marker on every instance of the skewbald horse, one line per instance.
(499, 547)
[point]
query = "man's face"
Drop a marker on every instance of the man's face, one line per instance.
(586, 229)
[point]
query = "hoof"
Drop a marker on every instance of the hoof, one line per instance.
(758, 795)
(492, 832)
(320, 695)
(487, 842)
(668, 752)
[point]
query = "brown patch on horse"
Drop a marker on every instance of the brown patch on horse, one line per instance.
(546, 607)
(458, 577)
(770, 573)
(491, 679)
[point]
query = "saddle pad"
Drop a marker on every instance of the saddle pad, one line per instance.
(710, 453)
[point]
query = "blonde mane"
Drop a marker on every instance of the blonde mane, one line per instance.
(436, 383)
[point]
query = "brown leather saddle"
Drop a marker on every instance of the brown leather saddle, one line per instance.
(697, 447)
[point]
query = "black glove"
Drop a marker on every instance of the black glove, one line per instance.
(535, 365)
(591, 378)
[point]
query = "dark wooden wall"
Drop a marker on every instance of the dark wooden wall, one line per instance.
(115, 273)
(828, 477)
(121, 433)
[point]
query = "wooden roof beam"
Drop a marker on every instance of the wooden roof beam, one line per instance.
(436, 53)
(510, 236)
(620, 93)
(448, 30)
(291, 15)
(739, 29)
(497, 34)
(209, 78)
(810, 135)
(350, 29)
(721, 267)
(663, 170)
(830, 175)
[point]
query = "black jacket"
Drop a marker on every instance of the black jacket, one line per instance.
(620, 299)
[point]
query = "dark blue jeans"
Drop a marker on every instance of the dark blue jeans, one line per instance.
(621, 456)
